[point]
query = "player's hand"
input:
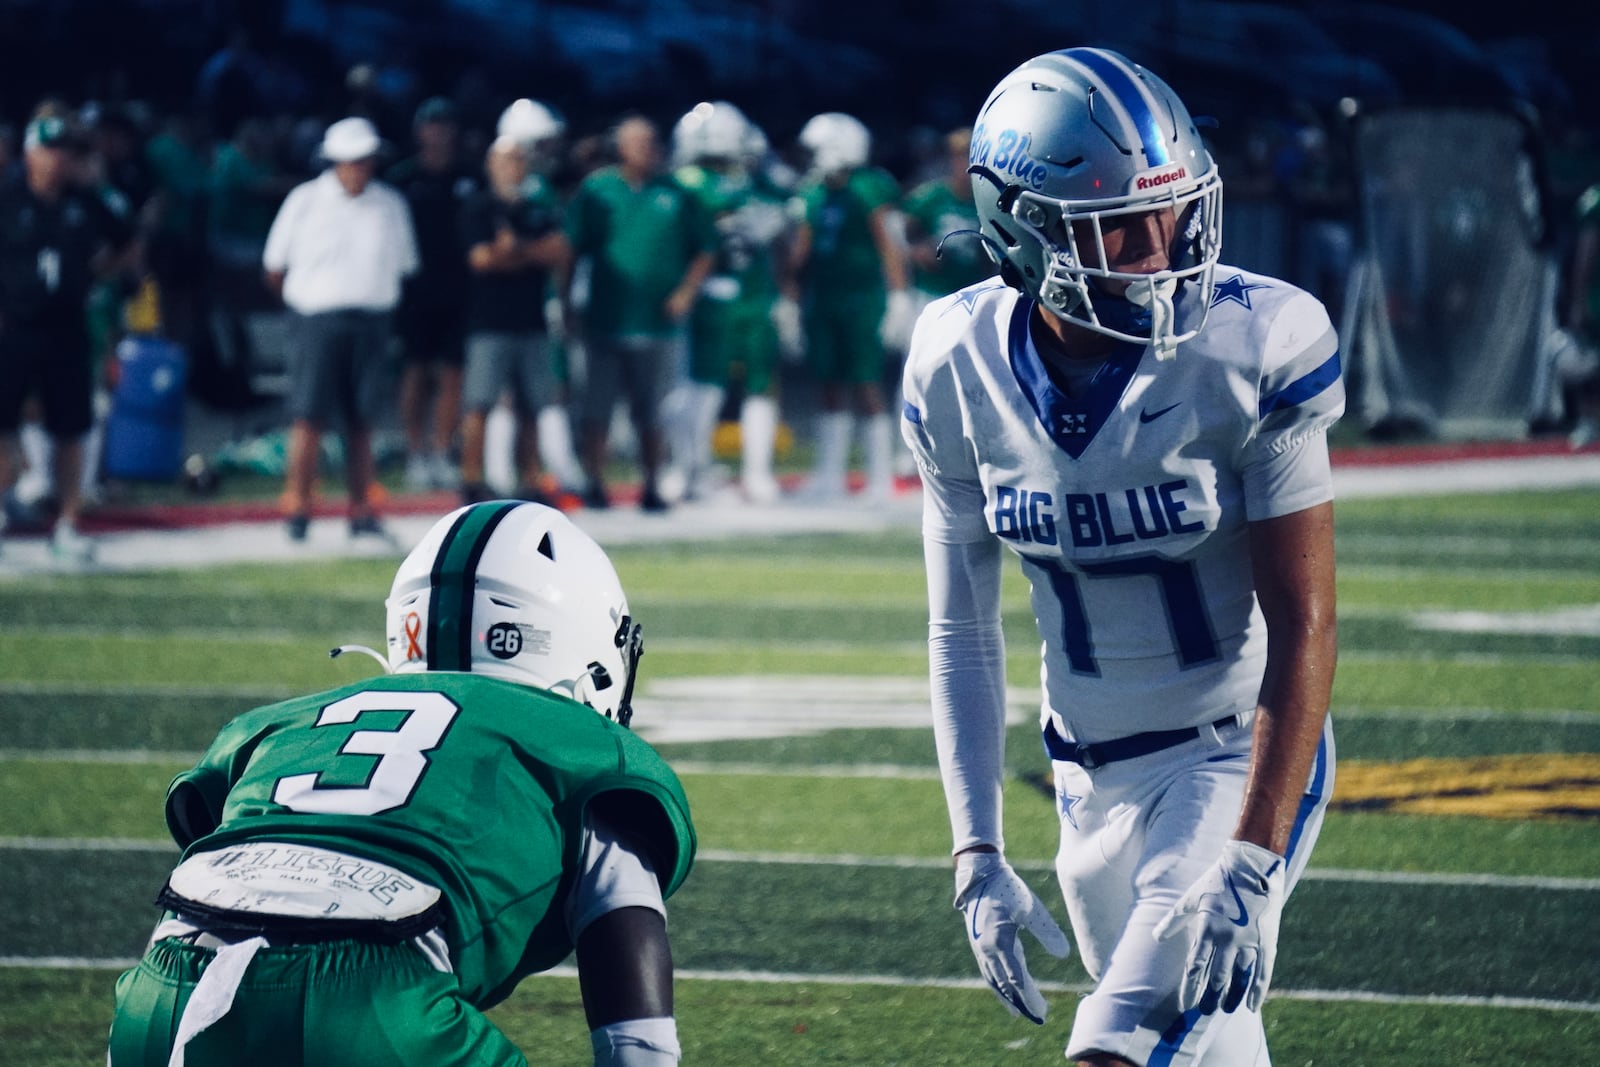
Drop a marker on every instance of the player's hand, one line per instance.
(899, 319)
(1230, 918)
(791, 334)
(997, 903)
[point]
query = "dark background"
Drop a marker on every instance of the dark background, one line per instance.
(894, 63)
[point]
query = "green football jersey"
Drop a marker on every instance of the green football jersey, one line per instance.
(844, 258)
(639, 243)
(475, 785)
(937, 211)
(750, 217)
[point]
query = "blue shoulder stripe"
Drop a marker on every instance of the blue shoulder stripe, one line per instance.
(1303, 389)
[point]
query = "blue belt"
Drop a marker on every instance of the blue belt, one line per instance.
(1103, 752)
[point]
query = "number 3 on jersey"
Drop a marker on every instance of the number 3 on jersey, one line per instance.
(402, 755)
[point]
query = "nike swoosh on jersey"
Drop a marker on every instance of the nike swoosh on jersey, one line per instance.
(1152, 416)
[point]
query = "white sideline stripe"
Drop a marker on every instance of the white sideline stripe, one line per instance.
(266, 694)
(87, 844)
(1436, 999)
(96, 755)
(1321, 874)
(1555, 716)
(820, 770)
(721, 855)
(690, 974)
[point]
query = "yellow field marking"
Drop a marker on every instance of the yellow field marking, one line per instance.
(1541, 786)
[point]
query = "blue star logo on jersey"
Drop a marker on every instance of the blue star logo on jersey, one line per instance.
(966, 299)
(1236, 289)
(1067, 802)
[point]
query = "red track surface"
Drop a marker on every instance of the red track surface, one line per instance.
(115, 517)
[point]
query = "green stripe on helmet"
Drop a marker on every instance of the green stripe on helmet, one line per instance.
(452, 585)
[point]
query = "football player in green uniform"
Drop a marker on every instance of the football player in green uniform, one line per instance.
(934, 210)
(848, 272)
(367, 870)
(732, 335)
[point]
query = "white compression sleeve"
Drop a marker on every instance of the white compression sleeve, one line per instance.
(636, 1043)
(967, 674)
(616, 874)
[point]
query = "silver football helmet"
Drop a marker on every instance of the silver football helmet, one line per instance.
(1068, 144)
(540, 129)
(712, 132)
(514, 590)
(835, 144)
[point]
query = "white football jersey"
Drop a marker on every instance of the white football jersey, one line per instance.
(1128, 505)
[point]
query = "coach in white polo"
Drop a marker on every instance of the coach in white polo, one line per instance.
(336, 254)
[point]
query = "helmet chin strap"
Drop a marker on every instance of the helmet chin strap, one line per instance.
(1154, 295)
(335, 653)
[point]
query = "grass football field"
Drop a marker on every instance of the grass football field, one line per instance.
(1451, 914)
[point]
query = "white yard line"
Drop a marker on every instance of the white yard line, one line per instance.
(718, 855)
(692, 974)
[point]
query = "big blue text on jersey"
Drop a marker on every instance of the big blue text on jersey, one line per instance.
(1092, 520)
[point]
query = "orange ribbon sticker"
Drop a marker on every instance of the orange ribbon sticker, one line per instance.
(413, 631)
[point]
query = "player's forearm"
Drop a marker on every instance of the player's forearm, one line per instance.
(968, 692)
(966, 670)
(1293, 564)
(1288, 730)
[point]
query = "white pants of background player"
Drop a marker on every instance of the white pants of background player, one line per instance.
(1135, 835)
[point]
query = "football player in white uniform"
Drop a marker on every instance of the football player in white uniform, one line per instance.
(1146, 430)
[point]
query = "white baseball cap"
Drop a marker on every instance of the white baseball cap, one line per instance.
(349, 140)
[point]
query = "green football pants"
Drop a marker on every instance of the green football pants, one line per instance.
(334, 1003)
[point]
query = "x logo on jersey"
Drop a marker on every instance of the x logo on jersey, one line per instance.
(1235, 289)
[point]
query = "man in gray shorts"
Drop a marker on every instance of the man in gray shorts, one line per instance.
(337, 252)
(514, 236)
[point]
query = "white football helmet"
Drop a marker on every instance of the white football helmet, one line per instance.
(538, 126)
(514, 590)
(711, 132)
(1084, 136)
(836, 143)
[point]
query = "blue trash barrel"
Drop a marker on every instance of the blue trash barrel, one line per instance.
(144, 432)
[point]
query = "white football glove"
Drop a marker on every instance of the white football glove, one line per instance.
(996, 902)
(899, 319)
(791, 334)
(1230, 917)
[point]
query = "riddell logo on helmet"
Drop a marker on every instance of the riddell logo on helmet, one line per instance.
(1156, 181)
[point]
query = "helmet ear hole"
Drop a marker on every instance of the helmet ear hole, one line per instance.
(601, 676)
(546, 549)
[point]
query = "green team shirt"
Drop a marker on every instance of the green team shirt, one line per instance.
(640, 242)
(475, 785)
(936, 210)
(844, 259)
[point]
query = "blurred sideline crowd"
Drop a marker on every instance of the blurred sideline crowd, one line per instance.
(464, 273)
(505, 283)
